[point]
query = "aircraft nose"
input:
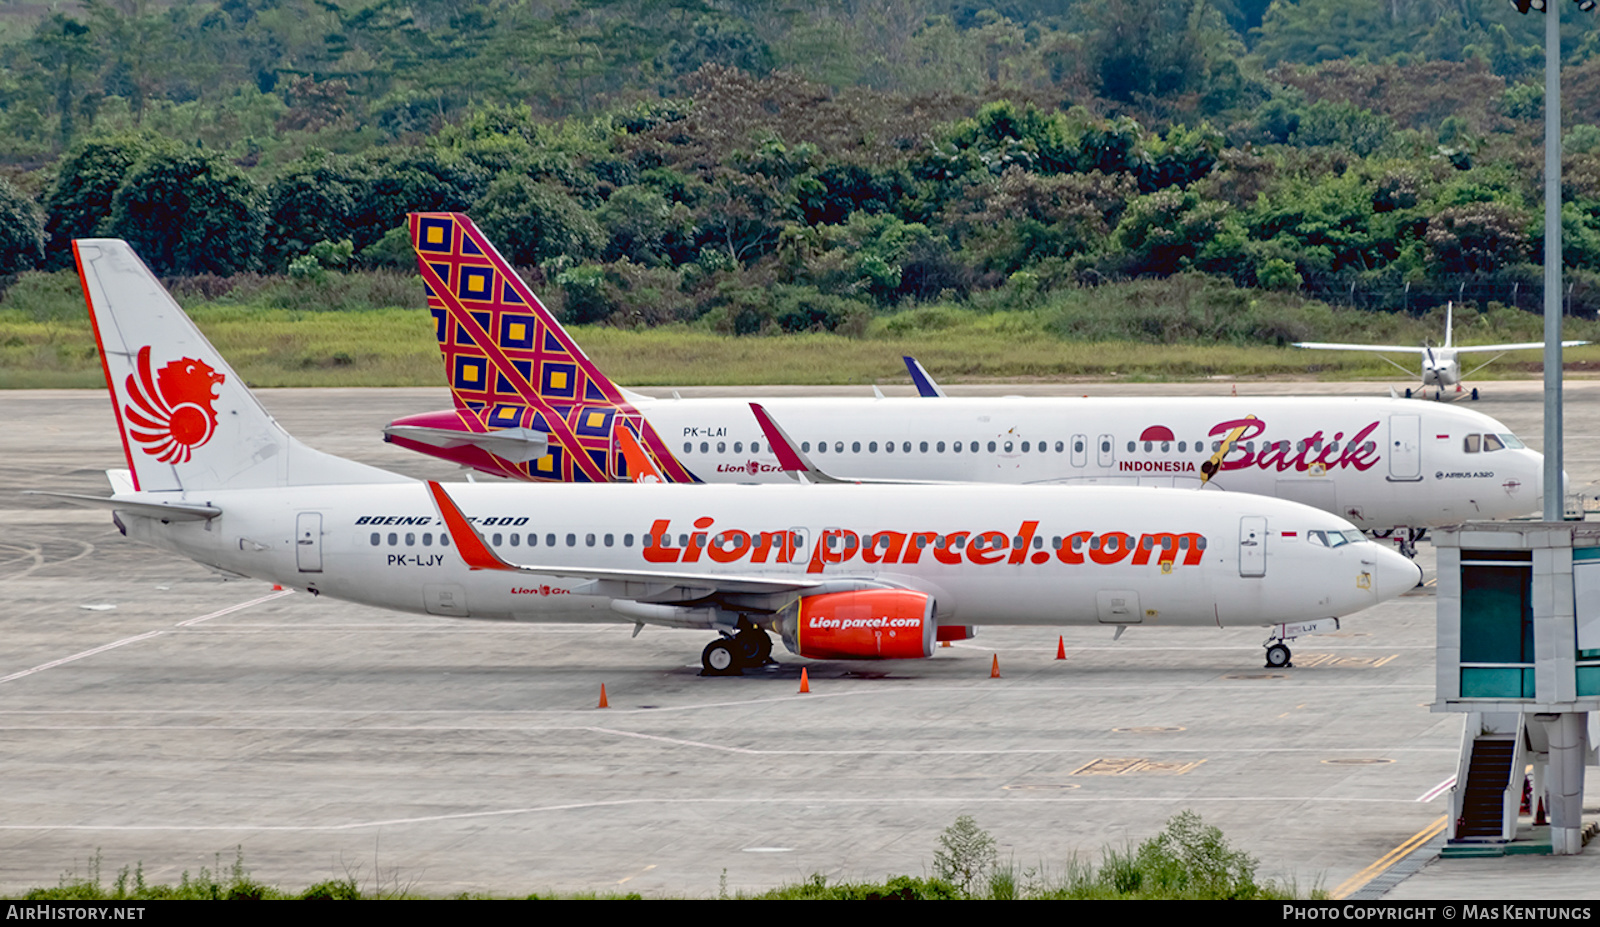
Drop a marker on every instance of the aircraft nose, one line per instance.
(1392, 573)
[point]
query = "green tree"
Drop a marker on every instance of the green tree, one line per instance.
(965, 856)
(79, 201)
(1475, 238)
(536, 223)
(398, 181)
(312, 200)
(1144, 48)
(189, 212)
(1161, 233)
(62, 47)
(644, 226)
(21, 231)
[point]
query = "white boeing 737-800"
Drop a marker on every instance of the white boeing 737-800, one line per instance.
(838, 572)
(529, 404)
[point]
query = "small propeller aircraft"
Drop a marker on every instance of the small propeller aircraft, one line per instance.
(1439, 365)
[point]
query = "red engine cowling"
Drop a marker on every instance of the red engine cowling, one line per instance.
(871, 624)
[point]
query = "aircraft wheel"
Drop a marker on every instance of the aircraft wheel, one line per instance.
(752, 647)
(718, 659)
(1278, 657)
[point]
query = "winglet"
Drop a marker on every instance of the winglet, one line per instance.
(790, 458)
(640, 469)
(466, 538)
(925, 385)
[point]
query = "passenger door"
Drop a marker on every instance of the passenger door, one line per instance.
(1405, 448)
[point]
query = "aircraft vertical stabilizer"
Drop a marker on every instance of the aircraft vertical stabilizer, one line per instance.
(510, 364)
(188, 422)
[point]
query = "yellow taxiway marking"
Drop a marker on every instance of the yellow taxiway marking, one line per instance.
(1355, 882)
(636, 874)
(1334, 659)
(1122, 766)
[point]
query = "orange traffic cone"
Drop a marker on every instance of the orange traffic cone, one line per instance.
(276, 588)
(805, 680)
(944, 643)
(603, 703)
(994, 671)
(1061, 647)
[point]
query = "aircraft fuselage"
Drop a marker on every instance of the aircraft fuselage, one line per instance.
(1380, 463)
(988, 554)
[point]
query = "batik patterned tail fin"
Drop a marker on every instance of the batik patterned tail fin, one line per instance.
(511, 364)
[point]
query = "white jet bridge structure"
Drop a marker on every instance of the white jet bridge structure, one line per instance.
(1519, 653)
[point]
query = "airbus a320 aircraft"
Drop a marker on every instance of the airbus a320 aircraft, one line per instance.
(530, 405)
(839, 572)
(1440, 368)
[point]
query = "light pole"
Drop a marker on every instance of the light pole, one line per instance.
(1554, 437)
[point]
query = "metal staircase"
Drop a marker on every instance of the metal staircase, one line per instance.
(1489, 775)
(1483, 795)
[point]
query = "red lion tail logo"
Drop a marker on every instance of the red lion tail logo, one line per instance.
(171, 413)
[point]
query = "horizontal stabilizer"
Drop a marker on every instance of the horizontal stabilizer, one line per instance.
(518, 445)
(166, 511)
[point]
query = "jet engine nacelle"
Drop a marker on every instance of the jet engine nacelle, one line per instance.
(870, 624)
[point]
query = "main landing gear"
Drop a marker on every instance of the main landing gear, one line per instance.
(1408, 544)
(733, 653)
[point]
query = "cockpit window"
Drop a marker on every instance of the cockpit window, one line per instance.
(1473, 444)
(1492, 443)
(1335, 538)
(1512, 442)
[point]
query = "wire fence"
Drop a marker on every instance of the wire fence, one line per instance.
(1580, 297)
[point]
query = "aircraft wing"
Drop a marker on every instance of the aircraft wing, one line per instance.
(1527, 346)
(1380, 348)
